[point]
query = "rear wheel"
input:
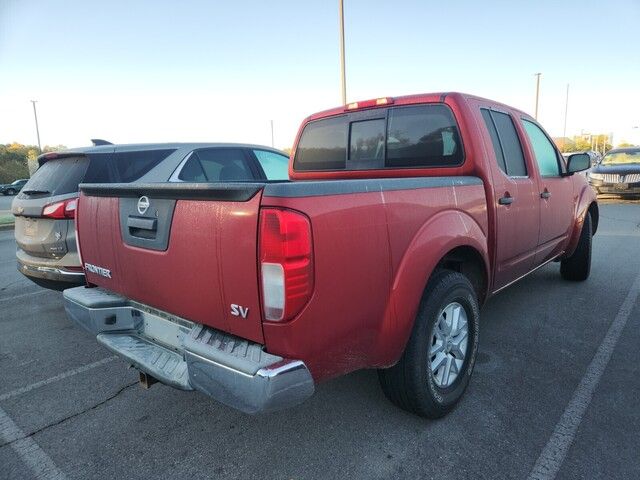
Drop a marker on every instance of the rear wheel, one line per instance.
(10, 191)
(578, 266)
(435, 368)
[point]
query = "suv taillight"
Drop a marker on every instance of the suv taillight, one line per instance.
(286, 263)
(61, 210)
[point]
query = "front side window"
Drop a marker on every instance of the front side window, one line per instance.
(543, 150)
(275, 165)
(416, 136)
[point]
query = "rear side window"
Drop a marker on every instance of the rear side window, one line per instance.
(98, 171)
(217, 165)
(122, 167)
(130, 166)
(510, 148)
(419, 136)
(275, 165)
(58, 177)
(495, 141)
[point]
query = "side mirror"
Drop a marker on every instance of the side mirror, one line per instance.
(578, 162)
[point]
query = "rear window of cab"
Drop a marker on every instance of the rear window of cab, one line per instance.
(416, 136)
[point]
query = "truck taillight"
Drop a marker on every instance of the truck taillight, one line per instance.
(61, 210)
(286, 263)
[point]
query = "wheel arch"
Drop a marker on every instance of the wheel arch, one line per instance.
(451, 239)
(586, 203)
(594, 210)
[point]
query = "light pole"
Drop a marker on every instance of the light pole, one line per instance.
(566, 109)
(35, 115)
(272, 143)
(537, 93)
(343, 80)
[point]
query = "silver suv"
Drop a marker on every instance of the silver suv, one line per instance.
(45, 208)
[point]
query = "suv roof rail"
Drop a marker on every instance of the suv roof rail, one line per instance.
(98, 141)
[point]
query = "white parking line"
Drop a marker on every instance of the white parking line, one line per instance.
(22, 295)
(28, 450)
(68, 373)
(554, 453)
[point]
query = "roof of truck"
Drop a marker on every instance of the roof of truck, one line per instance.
(408, 100)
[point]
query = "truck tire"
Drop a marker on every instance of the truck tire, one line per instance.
(578, 266)
(437, 362)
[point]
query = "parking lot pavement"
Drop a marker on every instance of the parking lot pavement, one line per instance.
(550, 378)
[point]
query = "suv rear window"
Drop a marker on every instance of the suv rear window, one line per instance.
(58, 177)
(63, 175)
(420, 136)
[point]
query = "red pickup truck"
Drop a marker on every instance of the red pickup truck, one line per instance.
(400, 218)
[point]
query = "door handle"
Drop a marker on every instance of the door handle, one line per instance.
(506, 200)
(546, 194)
(142, 223)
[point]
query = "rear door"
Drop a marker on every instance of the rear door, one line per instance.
(189, 249)
(515, 199)
(555, 193)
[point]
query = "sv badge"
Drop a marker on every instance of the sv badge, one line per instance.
(239, 311)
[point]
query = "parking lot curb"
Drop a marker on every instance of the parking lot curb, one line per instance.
(7, 226)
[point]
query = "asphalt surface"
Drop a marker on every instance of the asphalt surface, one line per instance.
(539, 342)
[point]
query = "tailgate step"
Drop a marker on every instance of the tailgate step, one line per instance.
(166, 365)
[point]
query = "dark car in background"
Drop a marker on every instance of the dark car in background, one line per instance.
(14, 187)
(45, 208)
(618, 173)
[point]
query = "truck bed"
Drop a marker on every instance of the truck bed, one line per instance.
(363, 233)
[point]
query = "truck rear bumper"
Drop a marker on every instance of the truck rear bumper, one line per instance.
(190, 356)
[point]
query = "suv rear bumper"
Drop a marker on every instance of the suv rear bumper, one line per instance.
(51, 276)
(190, 356)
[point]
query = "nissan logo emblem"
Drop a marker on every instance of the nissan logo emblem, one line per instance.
(143, 204)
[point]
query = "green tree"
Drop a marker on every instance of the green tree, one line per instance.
(16, 160)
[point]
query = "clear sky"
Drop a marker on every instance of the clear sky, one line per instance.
(155, 71)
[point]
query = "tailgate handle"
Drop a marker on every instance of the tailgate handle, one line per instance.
(142, 226)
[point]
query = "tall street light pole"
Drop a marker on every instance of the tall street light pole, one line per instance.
(272, 142)
(35, 115)
(343, 80)
(537, 93)
(566, 109)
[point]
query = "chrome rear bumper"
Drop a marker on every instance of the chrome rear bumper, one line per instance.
(190, 356)
(46, 272)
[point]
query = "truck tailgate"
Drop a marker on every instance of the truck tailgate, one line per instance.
(187, 249)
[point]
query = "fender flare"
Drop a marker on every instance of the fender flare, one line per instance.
(586, 199)
(441, 234)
